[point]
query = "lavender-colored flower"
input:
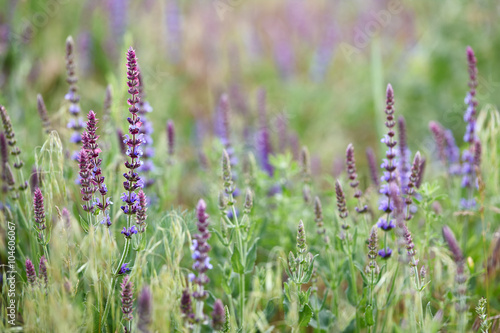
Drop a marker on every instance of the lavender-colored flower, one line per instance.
(146, 130)
(385, 253)
(174, 29)
(124, 269)
(39, 212)
(468, 172)
(72, 96)
(370, 156)
(372, 252)
(404, 155)
(264, 148)
(318, 218)
(170, 138)
(11, 183)
(133, 140)
(122, 145)
(477, 153)
(186, 304)
(410, 190)
(87, 190)
(458, 257)
(353, 177)
(144, 309)
(341, 205)
(127, 298)
(306, 174)
(450, 239)
(439, 137)
(42, 111)
(42, 270)
(11, 140)
(218, 315)
(141, 212)
(452, 152)
(386, 225)
(421, 172)
(66, 218)
(128, 232)
(89, 140)
(30, 272)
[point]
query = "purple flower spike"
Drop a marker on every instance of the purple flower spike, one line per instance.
(39, 213)
(127, 298)
(218, 315)
(370, 156)
(42, 111)
(72, 96)
(30, 272)
(129, 232)
(186, 304)
(170, 138)
(133, 140)
(87, 190)
(42, 270)
(141, 213)
(200, 250)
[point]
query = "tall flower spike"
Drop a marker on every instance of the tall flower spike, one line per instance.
(439, 137)
(468, 172)
(372, 252)
(460, 277)
(263, 141)
(42, 270)
(171, 139)
(301, 239)
(353, 177)
(89, 140)
(186, 305)
(218, 315)
(127, 298)
(146, 130)
(370, 156)
(76, 123)
(42, 111)
(11, 140)
(144, 309)
(306, 174)
(227, 176)
(404, 158)
(108, 103)
(141, 213)
(39, 212)
(200, 250)
(30, 272)
(87, 190)
(318, 216)
(133, 140)
(341, 205)
(410, 191)
(421, 172)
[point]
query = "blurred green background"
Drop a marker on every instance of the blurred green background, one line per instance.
(324, 64)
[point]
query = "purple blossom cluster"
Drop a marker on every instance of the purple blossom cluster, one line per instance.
(76, 123)
(39, 213)
(146, 130)
(468, 168)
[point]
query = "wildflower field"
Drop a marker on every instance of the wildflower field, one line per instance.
(237, 166)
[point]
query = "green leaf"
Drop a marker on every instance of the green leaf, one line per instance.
(369, 316)
(251, 257)
(219, 236)
(309, 271)
(305, 315)
(236, 261)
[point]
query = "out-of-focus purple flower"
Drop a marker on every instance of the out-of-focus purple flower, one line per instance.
(450, 239)
(323, 55)
(263, 140)
(11, 141)
(468, 172)
(127, 298)
(404, 154)
(144, 309)
(42, 111)
(146, 130)
(410, 190)
(370, 156)
(141, 213)
(353, 177)
(76, 123)
(452, 152)
(30, 272)
(174, 30)
(171, 138)
(118, 19)
(218, 315)
(42, 270)
(186, 304)
(439, 137)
